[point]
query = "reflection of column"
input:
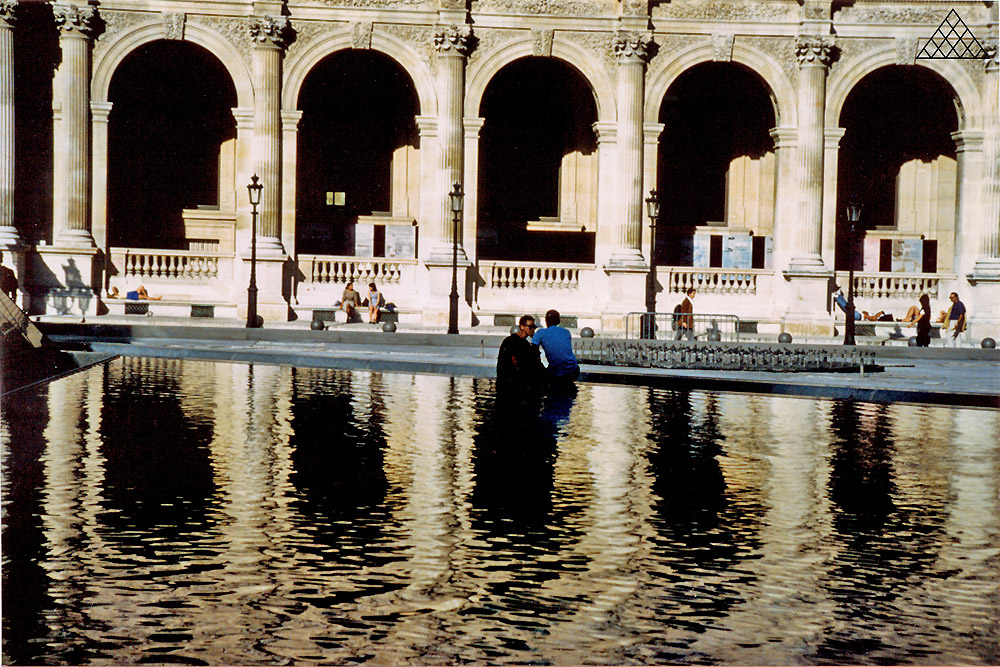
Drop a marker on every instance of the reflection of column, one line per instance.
(814, 53)
(453, 44)
(8, 233)
(988, 261)
(633, 51)
(72, 220)
(269, 35)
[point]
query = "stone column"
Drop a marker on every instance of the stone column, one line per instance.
(8, 232)
(72, 224)
(785, 144)
(969, 170)
(453, 44)
(269, 35)
(633, 50)
(814, 53)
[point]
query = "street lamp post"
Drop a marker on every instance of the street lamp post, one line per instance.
(254, 189)
(456, 196)
(653, 210)
(853, 215)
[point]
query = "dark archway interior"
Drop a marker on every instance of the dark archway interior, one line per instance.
(357, 108)
(895, 114)
(712, 114)
(171, 111)
(536, 110)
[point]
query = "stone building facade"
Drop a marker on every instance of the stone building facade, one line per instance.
(130, 129)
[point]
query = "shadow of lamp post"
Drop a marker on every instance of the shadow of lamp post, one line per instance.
(649, 318)
(853, 215)
(456, 197)
(253, 320)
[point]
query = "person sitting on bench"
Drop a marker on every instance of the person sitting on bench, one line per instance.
(860, 314)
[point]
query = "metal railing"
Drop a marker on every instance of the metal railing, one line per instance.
(665, 326)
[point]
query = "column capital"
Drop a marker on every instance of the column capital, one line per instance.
(100, 111)
(968, 140)
(784, 137)
(814, 50)
(7, 16)
(606, 131)
(270, 32)
(74, 21)
(454, 40)
(633, 46)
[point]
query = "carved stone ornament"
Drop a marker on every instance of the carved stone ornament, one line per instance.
(361, 35)
(992, 58)
(73, 20)
(270, 31)
(454, 40)
(633, 46)
(906, 50)
(7, 13)
(816, 11)
(722, 48)
(814, 50)
(173, 26)
(542, 42)
(635, 7)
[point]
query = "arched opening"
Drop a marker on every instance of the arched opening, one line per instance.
(357, 154)
(538, 164)
(716, 169)
(171, 145)
(898, 160)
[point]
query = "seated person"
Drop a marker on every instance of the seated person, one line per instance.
(375, 300)
(557, 344)
(518, 365)
(349, 301)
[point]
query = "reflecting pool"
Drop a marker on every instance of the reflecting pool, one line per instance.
(169, 511)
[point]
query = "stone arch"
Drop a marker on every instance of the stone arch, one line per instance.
(953, 73)
(590, 68)
(767, 68)
(221, 48)
(299, 67)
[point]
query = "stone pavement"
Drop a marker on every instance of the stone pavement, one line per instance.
(967, 376)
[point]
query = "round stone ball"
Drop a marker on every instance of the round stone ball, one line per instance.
(989, 344)
(316, 325)
(586, 332)
(785, 337)
(389, 327)
(912, 342)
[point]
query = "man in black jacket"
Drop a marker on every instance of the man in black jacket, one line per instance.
(518, 364)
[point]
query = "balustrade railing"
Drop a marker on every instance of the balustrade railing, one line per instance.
(329, 269)
(167, 264)
(894, 285)
(680, 279)
(531, 275)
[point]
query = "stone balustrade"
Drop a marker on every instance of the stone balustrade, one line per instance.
(167, 264)
(680, 279)
(887, 285)
(331, 269)
(531, 275)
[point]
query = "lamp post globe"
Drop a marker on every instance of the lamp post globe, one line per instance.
(456, 200)
(853, 215)
(254, 189)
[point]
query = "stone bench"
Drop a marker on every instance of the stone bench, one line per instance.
(338, 316)
(169, 308)
(888, 330)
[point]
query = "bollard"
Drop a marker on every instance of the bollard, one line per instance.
(784, 337)
(389, 327)
(586, 332)
(316, 325)
(989, 344)
(912, 342)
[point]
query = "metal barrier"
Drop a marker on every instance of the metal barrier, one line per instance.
(661, 326)
(723, 356)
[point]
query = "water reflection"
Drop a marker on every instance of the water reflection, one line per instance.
(166, 511)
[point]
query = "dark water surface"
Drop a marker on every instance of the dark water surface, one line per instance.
(163, 511)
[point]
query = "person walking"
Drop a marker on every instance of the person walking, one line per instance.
(924, 322)
(685, 320)
(955, 320)
(557, 344)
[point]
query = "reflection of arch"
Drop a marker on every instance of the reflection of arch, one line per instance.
(105, 67)
(780, 88)
(953, 74)
(413, 64)
(576, 57)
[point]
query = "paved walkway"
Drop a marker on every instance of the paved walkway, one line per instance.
(967, 376)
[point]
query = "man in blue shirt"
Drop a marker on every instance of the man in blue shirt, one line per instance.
(956, 318)
(557, 344)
